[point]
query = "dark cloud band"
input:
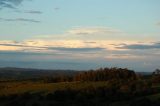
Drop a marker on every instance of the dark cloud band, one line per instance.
(76, 49)
(20, 19)
(63, 49)
(33, 12)
(155, 45)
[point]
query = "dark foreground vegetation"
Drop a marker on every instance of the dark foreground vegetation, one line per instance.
(101, 87)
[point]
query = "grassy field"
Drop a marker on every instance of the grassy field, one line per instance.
(33, 87)
(21, 87)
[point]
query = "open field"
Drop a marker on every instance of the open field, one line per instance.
(33, 87)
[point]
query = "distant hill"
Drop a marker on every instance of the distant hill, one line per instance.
(144, 73)
(24, 73)
(28, 73)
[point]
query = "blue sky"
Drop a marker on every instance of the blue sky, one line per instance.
(90, 33)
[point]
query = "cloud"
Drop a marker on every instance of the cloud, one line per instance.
(90, 42)
(33, 12)
(27, 20)
(12, 4)
(49, 46)
(81, 46)
(17, 45)
(56, 8)
(60, 49)
(79, 50)
(29, 11)
(91, 33)
(20, 20)
(155, 45)
(124, 56)
(92, 30)
(85, 49)
(4, 5)
(158, 23)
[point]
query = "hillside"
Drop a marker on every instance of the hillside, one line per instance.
(104, 87)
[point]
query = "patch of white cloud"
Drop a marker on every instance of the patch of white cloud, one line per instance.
(89, 33)
(92, 30)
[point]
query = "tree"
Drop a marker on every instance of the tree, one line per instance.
(156, 76)
(156, 72)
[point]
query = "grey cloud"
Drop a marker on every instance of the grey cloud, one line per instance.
(121, 44)
(17, 45)
(76, 49)
(20, 19)
(56, 8)
(63, 49)
(158, 23)
(33, 12)
(10, 3)
(155, 45)
(27, 20)
(28, 11)
(3, 5)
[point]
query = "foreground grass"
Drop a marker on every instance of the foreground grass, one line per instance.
(42, 95)
(9, 88)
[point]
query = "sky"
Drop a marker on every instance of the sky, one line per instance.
(80, 34)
